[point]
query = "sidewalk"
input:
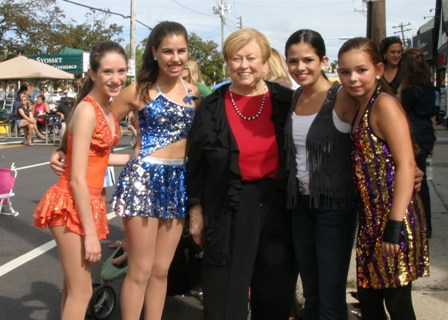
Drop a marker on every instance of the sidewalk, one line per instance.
(430, 294)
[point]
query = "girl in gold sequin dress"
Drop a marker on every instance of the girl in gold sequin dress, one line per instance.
(392, 247)
(73, 208)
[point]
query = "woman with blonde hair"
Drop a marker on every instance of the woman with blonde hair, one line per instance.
(277, 71)
(192, 74)
(27, 120)
(236, 183)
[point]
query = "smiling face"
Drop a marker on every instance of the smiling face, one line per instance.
(185, 74)
(246, 66)
(393, 54)
(111, 74)
(25, 100)
(304, 65)
(171, 55)
(358, 74)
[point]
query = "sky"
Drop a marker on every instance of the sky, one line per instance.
(277, 19)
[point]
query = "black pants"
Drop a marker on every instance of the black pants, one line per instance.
(425, 149)
(261, 259)
(323, 242)
(398, 303)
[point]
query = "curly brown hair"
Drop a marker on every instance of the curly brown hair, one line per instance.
(415, 70)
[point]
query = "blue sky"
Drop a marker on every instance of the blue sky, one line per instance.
(276, 19)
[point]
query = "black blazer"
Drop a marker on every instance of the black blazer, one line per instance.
(213, 174)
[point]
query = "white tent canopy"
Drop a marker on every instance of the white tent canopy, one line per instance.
(25, 68)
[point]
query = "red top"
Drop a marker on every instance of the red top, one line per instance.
(255, 138)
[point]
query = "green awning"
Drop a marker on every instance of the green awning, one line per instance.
(74, 63)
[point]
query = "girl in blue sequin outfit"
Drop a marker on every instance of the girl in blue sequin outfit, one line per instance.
(150, 193)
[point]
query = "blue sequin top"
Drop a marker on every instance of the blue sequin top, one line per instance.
(163, 122)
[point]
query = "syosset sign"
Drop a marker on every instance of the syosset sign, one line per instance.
(49, 60)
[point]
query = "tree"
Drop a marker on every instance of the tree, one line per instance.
(334, 65)
(208, 58)
(41, 27)
(83, 36)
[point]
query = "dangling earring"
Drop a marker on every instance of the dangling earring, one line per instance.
(155, 58)
(377, 77)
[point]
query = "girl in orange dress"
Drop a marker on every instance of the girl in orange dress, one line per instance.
(73, 208)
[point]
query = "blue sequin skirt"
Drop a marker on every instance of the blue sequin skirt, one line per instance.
(151, 187)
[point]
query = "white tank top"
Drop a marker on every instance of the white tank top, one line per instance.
(300, 127)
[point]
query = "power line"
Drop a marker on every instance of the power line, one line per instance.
(185, 7)
(276, 6)
(106, 11)
(231, 23)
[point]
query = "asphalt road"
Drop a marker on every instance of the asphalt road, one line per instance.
(30, 273)
(31, 278)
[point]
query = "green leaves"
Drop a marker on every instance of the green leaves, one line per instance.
(41, 27)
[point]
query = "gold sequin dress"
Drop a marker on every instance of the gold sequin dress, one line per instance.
(374, 176)
(57, 207)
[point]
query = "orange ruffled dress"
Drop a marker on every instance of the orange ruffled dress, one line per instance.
(57, 207)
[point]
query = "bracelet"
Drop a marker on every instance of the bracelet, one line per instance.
(392, 231)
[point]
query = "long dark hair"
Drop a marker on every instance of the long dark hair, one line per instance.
(386, 43)
(149, 70)
(370, 48)
(310, 37)
(415, 70)
(97, 53)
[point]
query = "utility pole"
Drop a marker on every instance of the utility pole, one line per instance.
(241, 22)
(221, 9)
(132, 40)
(376, 20)
(402, 30)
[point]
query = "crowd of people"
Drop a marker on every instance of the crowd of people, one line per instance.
(274, 180)
(31, 111)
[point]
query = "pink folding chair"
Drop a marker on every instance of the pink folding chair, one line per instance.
(7, 181)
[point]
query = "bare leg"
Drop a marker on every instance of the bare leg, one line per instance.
(168, 237)
(29, 134)
(77, 277)
(39, 134)
(151, 247)
(141, 234)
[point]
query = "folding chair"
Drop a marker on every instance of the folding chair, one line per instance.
(7, 181)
